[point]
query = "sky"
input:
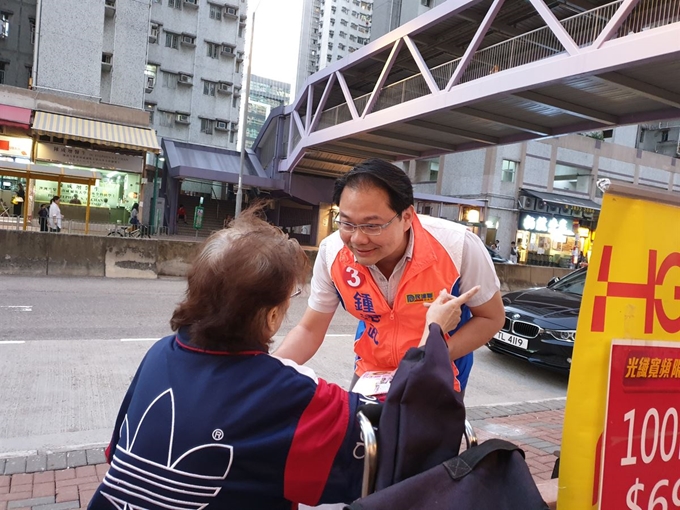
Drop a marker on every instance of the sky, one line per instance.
(277, 38)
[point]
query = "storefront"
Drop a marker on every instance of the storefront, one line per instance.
(98, 168)
(555, 230)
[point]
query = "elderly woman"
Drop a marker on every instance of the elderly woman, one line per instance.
(211, 418)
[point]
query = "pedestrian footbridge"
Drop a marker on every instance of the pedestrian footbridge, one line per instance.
(474, 73)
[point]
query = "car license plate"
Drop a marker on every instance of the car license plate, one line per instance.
(522, 343)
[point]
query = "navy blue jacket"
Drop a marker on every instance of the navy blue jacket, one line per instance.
(230, 430)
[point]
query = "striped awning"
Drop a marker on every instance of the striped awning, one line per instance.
(103, 133)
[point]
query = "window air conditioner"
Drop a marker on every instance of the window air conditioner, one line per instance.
(220, 124)
(150, 82)
(553, 209)
(223, 87)
(184, 78)
(4, 29)
(526, 202)
(153, 34)
(228, 49)
(187, 39)
(541, 206)
(183, 119)
(231, 11)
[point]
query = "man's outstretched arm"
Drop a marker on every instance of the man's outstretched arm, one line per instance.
(302, 342)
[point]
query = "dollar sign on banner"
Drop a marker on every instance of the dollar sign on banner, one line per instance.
(632, 496)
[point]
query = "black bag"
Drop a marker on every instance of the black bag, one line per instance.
(423, 418)
(492, 475)
(419, 436)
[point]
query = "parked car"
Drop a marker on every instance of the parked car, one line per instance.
(496, 257)
(540, 323)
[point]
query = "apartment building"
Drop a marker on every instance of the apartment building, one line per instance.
(194, 70)
(390, 14)
(17, 39)
(332, 29)
(265, 94)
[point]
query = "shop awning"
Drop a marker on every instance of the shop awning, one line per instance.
(443, 199)
(35, 171)
(191, 161)
(15, 117)
(103, 133)
(563, 200)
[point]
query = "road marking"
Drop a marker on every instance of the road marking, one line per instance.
(139, 339)
(3, 342)
(18, 308)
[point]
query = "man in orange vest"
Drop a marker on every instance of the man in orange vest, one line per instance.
(383, 264)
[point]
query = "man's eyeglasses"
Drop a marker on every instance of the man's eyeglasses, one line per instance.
(296, 292)
(370, 229)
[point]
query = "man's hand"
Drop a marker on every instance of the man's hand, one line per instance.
(446, 311)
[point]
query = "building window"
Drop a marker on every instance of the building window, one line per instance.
(343, 34)
(353, 38)
(571, 178)
(508, 170)
(341, 46)
(175, 4)
(207, 126)
(664, 135)
(169, 80)
(215, 12)
(31, 22)
(209, 88)
(151, 108)
(167, 119)
(329, 58)
(213, 50)
(343, 22)
(2, 72)
(171, 40)
(330, 45)
(345, 10)
(434, 170)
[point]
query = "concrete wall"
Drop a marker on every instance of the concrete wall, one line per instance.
(36, 254)
(69, 46)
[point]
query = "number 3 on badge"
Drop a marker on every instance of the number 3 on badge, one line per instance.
(353, 279)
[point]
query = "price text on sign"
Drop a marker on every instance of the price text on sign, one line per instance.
(641, 445)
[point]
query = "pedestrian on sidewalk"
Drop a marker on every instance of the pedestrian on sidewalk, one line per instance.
(209, 408)
(182, 214)
(55, 215)
(43, 214)
(383, 264)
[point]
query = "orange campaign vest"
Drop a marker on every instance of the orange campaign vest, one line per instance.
(385, 334)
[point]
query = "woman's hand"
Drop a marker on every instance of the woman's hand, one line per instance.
(446, 311)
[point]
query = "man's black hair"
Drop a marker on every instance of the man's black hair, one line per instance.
(382, 175)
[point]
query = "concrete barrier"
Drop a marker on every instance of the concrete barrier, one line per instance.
(23, 253)
(35, 254)
(75, 255)
(130, 258)
(175, 257)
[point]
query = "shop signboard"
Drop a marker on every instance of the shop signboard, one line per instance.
(620, 447)
(640, 450)
(198, 218)
(89, 158)
(16, 147)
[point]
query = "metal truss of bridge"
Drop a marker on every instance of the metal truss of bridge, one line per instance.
(474, 73)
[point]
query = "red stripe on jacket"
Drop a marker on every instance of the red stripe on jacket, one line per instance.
(317, 440)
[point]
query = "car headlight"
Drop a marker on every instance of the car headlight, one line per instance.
(567, 335)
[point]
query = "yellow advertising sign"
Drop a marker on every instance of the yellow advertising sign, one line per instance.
(632, 292)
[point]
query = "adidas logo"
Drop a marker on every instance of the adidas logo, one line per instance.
(146, 474)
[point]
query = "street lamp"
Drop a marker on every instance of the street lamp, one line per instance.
(239, 192)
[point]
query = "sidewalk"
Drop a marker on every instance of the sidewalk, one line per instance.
(67, 480)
